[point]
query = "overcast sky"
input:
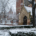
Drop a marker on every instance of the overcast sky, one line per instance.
(11, 4)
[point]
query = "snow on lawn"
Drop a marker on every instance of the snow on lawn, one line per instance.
(4, 33)
(5, 26)
(1, 33)
(26, 30)
(7, 34)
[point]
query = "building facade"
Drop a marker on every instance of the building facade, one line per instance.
(24, 15)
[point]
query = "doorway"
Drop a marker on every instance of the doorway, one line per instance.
(25, 20)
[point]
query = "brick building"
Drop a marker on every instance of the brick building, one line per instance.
(19, 6)
(23, 13)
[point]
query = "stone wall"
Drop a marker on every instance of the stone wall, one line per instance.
(20, 8)
(23, 14)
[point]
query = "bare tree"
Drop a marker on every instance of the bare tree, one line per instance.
(4, 4)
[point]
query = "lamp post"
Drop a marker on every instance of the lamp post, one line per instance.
(33, 11)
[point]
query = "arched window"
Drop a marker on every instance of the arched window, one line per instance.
(25, 17)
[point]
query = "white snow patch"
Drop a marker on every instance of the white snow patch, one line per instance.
(26, 30)
(29, 9)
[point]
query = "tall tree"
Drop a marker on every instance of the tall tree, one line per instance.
(4, 4)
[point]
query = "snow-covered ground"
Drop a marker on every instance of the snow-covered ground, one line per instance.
(5, 32)
(5, 26)
(26, 30)
(15, 25)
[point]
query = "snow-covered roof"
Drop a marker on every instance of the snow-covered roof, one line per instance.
(29, 9)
